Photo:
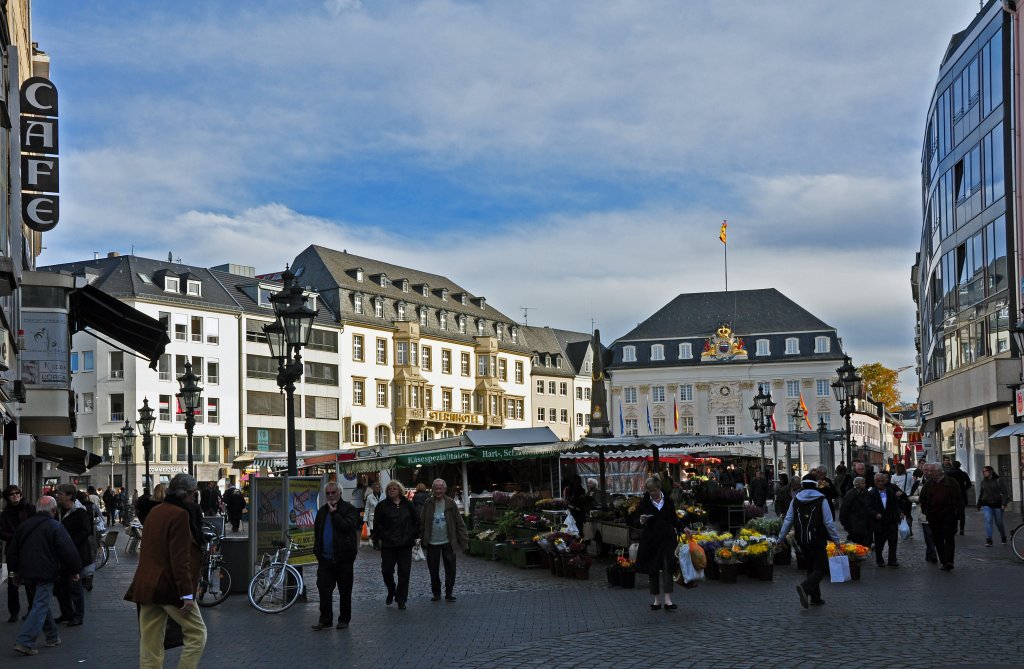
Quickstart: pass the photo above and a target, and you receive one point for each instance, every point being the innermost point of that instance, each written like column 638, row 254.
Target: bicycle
column 1017, row 541
column 277, row 585
column 102, row 552
column 214, row 578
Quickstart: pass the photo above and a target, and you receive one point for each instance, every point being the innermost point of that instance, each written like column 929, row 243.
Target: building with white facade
column 561, row 364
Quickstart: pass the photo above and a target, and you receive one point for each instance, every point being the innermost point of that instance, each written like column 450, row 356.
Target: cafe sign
column 40, row 166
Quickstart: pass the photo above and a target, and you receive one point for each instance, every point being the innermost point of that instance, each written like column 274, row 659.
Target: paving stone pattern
column 506, row 618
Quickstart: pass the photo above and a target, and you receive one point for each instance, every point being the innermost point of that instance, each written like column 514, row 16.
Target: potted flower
column 759, row 560
column 580, row 565
column 622, row 572
column 857, row 553
column 728, row 564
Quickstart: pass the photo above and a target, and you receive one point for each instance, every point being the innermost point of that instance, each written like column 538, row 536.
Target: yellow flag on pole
column 721, row 234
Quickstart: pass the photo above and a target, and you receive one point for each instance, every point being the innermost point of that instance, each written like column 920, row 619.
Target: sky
column 573, row 158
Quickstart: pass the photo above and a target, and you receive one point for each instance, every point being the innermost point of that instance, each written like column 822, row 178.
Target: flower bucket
column 728, row 572
column 614, row 577
column 545, row 559
column 783, row 558
column 854, row 570
column 628, row 579
column 711, row 571
column 581, row 573
column 765, row 571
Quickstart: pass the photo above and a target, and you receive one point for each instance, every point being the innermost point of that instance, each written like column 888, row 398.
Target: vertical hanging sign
column 40, row 166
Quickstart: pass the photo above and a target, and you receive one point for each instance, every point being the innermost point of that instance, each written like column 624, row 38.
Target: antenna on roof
column 170, row 257
column 526, row 314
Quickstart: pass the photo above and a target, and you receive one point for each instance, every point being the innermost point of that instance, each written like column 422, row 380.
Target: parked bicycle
column 1017, row 541
column 214, row 578
column 277, row 584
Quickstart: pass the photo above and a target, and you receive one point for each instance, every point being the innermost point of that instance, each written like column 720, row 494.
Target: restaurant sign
column 40, row 166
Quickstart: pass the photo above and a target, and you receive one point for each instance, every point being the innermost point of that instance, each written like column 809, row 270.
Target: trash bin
column 237, row 560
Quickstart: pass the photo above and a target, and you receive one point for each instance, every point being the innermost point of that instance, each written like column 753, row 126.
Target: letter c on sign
column 39, row 96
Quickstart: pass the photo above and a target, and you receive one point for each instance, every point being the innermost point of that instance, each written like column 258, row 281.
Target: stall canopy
column 92, row 309
column 1008, row 431
column 68, row 459
column 279, row 459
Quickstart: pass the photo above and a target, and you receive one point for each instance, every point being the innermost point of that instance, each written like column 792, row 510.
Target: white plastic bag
column 904, row 529
column 417, row 553
column 839, row 569
column 690, row 574
column 634, row 548
column 570, row 525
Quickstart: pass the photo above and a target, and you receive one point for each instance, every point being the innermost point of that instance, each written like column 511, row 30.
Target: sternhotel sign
column 451, row 417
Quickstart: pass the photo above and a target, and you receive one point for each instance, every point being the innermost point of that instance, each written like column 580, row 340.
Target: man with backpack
column 810, row 518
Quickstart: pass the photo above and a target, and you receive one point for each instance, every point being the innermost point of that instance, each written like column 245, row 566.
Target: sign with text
column 44, row 358
column 40, row 166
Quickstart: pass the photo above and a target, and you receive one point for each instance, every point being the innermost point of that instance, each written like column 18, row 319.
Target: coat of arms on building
column 723, row 346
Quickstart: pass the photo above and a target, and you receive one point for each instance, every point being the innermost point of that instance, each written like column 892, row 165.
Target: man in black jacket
column 961, row 477
column 41, row 552
column 335, row 544
column 854, row 513
column 887, row 505
column 78, row 522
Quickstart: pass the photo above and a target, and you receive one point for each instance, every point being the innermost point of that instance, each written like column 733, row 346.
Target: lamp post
column 799, row 416
column 190, row 396
column 145, row 423
column 286, row 337
column 761, row 411
column 846, row 390
column 127, row 443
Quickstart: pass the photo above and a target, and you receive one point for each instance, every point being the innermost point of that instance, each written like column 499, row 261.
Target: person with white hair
column 941, row 501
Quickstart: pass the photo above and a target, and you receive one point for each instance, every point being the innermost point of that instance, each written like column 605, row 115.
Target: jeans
column 930, row 554
column 39, row 617
column 436, row 554
column 71, row 597
column 993, row 513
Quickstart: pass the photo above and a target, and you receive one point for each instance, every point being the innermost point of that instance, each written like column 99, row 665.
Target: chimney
column 113, row 254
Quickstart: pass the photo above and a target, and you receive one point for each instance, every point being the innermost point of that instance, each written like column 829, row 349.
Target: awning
column 68, row 459
column 93, row 309
column 525, row 436
column 707, row 442
column 274, row 459
column 1008, row 431
column 440, row 457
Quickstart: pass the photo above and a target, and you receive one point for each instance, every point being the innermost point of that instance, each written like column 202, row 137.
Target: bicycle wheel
column 273, row 590
column 102, row 554
column 214, row 586
column 1017, row 541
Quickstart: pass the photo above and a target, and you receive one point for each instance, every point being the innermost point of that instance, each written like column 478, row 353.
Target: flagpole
column 725, row 253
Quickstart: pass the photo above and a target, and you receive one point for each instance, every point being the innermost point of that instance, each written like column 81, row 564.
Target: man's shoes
column 1004, row 541
column 62, row 619
column 52, row 643
column 803, row 596
column 14, row 618
column 341, row 625
column 947, row 567
column 390, row 600
column 449, row 598
column 988, row 543
column 879, row 563
column 931, row 559
column 321, row 626
column 401, row 607
column 25, row 650
column 435, row 598
column 818, row 602
column 74, row 622
column 894, row 564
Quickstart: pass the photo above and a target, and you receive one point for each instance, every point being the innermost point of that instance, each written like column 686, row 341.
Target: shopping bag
column 634, row 548
column 417, row 553
column 690, row 574
column 569, row 526
column 697, row 556
column 904, row 529
column 366, row 532
column 839, row 568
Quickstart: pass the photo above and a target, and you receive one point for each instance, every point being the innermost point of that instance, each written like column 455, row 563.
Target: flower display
column 727, row 556
column 581, row 561
column 856, row 552
column 624, row 564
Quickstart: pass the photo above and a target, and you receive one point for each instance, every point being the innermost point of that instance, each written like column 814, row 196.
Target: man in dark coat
column 16, row 511
column 335, row 544
column 759, row 489
column 144, row 506
column 40, row 554
column 78, row 522
column 109, row 503
column 165, row 580
column 854, row 513
column 940, row 502
column 235, row 503
column 211, row 499
column 961, row 477
column 887, row 505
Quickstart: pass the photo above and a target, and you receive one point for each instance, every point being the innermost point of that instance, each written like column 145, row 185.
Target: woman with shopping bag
column 396, row 527
column 656, row 515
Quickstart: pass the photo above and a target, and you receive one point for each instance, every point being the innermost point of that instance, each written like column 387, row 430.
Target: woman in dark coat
column 783, row 496
column 396, row 527
column 16, row 511
column 655, row 556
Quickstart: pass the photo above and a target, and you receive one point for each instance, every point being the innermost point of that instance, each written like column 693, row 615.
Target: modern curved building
column 966, row 278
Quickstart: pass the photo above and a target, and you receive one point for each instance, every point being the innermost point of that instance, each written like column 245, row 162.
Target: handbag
column 904, row 529
column 839, row 569
column 417, row 553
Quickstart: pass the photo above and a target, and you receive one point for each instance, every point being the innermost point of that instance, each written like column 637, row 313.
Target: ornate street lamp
column 286, row 338
column 847, row 389
column 190, row 397
column 145, row 423
column 127, row 444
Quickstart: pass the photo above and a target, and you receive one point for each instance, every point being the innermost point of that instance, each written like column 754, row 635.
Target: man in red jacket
column 165, row 580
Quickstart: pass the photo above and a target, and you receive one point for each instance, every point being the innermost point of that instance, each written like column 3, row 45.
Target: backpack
column 809, row 522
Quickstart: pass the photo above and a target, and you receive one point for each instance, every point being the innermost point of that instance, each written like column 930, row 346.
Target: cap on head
column 809, row 481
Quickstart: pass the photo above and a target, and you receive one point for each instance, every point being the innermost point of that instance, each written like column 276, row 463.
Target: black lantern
column 190, row 396
column 145, row 423
column 127, row 445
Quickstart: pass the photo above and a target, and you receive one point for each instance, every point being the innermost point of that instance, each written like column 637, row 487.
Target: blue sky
column 574, row 157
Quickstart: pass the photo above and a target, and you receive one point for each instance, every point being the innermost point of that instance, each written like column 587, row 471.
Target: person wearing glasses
column 335, row 544
column 16, row 511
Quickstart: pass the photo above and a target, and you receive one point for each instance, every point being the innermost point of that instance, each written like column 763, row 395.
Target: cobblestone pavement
column 915, row 617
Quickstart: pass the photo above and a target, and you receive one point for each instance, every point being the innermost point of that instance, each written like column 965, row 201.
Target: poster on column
column 303, row 502
column 268, row 507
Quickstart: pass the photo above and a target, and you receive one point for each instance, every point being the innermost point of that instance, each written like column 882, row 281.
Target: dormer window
column 547, row 360
column 464, row 299
column 629, row 354
column 515, row 335
column 444, row 320
column 423, row 317
column 821, row 345
column 483, row 303
column 172, row 284
column 358, row 303
column 405, row 285
column 462, row 324
column 558, row 361
column 400, row 310
column 444, row 294
column 194, row 287
column 657, row 352
column 426, row 290
column 378, row 308
column 792, row 346
column 499, row 331
column 359, row 275
column 263, row 296
column 685, row 351
column 383, row 280
column 480, row 327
